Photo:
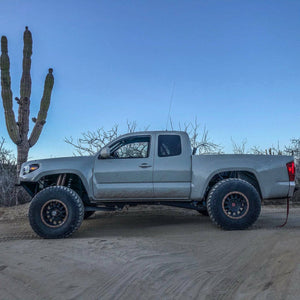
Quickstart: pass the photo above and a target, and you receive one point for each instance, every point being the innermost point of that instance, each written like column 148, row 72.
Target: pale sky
column 233, row 64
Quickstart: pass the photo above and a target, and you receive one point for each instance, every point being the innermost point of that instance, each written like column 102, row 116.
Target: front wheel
column 233, row 204
column 56, row 212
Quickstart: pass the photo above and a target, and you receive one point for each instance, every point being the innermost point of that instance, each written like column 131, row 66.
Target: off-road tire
column 88, row 214
column 219, row 208
column 68, row 201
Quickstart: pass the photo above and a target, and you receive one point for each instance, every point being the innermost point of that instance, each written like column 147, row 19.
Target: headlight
column 30, row 168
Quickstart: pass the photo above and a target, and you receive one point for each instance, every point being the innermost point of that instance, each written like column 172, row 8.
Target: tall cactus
column 18, row 131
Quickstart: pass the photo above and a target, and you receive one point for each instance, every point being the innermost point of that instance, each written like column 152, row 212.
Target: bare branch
column 294, row 148
column 203, row 144
column 239, row 148
column 7, row 175
column 92, row 141
column 131, row 126
column 257, row 150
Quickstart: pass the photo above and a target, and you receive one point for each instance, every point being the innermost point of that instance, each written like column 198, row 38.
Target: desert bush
column 8, row 169
column 292, row 149
column 10, row 194
column 241, row 149
column 91, row 142
column 200, row 141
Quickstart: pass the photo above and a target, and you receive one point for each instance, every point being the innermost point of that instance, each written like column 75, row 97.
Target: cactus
column 18, row 131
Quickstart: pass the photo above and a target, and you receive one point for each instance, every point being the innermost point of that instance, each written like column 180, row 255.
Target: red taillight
column 291, row 170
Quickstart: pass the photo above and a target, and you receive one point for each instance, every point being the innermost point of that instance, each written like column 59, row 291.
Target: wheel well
column 69, row 180
column 245, row 175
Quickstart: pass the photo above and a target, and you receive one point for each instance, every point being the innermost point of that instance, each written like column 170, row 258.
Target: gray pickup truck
column 155, row 167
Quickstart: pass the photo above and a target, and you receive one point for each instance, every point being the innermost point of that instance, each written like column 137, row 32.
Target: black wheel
column 88, row 214
column 56, row 212
column 233, row 204
column 203, row 212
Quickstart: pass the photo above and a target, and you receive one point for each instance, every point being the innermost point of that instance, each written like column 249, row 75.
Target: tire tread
column 76, row 201
column 210, row 203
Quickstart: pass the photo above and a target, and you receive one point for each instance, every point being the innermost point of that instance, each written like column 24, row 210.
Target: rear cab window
column 169, row 145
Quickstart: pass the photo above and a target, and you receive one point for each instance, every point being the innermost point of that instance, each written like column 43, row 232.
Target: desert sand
column 152, row 253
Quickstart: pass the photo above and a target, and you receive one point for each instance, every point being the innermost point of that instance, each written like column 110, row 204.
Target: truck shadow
column 160, row 222
column 152, row 222
column 274, row 217
column 141, row 224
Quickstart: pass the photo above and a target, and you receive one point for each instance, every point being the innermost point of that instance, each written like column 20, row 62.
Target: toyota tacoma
column 153, row 167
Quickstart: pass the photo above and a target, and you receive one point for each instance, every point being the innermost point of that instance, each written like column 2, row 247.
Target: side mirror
column 104, row 153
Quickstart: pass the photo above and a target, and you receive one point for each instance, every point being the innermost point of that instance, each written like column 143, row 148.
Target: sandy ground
column 151, row 253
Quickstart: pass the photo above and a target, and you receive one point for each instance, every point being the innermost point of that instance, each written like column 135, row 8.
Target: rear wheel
column 56, row 212
column 233, row 204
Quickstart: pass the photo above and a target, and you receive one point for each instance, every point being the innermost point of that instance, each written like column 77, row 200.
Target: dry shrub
column 8, row 169
column 91, row 142
column 10, row 194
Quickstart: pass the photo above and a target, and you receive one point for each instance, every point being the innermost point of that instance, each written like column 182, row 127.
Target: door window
column 131, row 147
column 169, row 145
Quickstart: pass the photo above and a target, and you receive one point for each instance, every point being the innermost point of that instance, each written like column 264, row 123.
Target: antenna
column 171, row 100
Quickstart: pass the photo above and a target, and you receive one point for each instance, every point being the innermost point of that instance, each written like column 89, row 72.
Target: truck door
column 172, row 168
column 127, row 173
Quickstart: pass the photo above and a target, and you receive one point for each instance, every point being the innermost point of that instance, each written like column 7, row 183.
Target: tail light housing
column 291, row 170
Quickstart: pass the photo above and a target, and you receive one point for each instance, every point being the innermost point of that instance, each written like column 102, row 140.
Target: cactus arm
column 44, row 106
column 25, row 86
column 6, row 93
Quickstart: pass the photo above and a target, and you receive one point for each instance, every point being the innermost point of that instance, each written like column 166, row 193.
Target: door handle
column 145, row 165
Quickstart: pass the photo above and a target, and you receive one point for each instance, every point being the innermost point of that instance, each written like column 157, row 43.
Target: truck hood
column 60, row 160
column 79, row 165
